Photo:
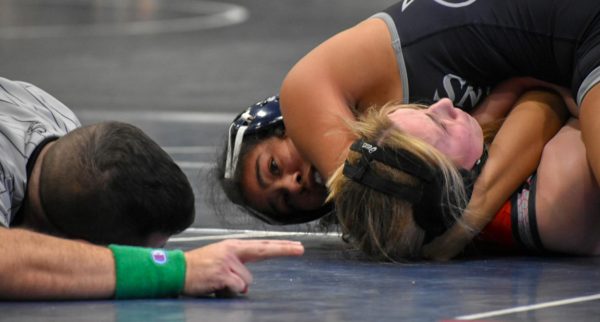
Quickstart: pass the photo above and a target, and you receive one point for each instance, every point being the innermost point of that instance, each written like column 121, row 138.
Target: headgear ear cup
column 258, row 118
column 432, row 205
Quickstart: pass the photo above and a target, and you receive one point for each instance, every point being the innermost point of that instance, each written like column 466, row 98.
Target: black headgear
column 431, row 210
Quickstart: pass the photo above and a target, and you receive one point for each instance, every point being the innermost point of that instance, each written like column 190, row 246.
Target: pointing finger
column 256, row 250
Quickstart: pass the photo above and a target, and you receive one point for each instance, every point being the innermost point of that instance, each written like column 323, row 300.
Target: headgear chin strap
column 431, row 209
column 470, row 176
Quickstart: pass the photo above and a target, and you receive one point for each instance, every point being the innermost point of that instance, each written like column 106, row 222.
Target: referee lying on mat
column 110, row 185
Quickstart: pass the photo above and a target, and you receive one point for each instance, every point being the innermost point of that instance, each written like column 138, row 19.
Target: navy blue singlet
column 461, row 48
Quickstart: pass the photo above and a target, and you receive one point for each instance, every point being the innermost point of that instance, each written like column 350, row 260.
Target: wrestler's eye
column 273, row 167
column 438, row 122
column 443, row 126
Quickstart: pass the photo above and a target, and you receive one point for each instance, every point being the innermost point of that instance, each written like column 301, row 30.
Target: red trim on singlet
column 499, row 230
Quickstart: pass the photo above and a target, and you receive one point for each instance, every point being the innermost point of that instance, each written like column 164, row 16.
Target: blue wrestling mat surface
column 332, row 283
column 180, row 70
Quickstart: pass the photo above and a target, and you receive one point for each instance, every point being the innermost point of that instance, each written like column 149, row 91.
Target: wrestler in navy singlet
column 461, row 48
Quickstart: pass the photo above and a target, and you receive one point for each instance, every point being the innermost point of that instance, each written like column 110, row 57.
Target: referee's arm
column 37, row 266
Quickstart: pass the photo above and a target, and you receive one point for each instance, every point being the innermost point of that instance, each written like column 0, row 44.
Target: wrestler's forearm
column 503, row 98
column 513, row 156
column 37, row 266
column 515, row 153
column 501, row 101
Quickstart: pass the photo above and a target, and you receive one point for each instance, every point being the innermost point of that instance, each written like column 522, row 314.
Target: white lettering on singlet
column 445, row 3
column 467, row 96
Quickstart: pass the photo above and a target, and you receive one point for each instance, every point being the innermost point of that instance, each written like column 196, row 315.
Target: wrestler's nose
column 293, row 182
column 443, row 108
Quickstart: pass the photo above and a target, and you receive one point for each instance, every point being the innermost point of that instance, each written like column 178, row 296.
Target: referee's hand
column 219, row 268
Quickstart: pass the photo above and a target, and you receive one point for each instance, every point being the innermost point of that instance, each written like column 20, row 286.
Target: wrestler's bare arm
column 503, row 98
column 513, row 156
column 346, row 74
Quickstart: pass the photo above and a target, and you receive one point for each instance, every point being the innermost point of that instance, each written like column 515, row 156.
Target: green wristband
column 148, row 273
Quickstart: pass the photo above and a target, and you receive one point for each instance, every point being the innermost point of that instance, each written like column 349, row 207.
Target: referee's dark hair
column 111, row 183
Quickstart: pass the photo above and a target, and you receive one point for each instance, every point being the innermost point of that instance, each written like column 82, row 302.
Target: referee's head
column 111, row 183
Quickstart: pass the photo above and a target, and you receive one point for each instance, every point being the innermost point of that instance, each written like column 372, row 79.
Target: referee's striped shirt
column 28, row 115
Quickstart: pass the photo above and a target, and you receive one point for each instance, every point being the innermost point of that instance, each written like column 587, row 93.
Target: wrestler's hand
column 449, row 244
column 219, row 267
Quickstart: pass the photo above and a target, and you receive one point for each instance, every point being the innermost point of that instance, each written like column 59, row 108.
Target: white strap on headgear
column 232, row 158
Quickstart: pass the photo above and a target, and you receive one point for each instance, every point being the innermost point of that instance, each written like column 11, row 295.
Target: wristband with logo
column 148, row 273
